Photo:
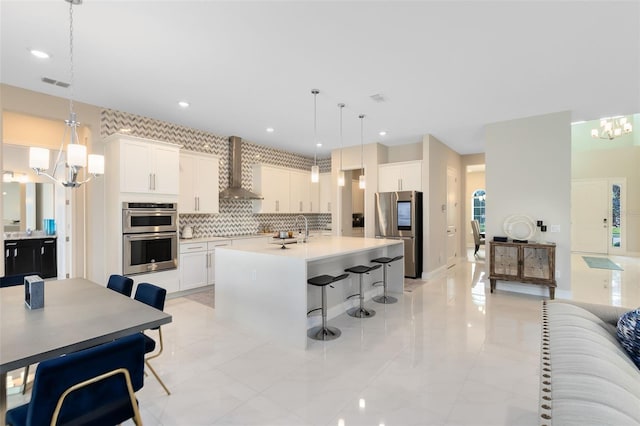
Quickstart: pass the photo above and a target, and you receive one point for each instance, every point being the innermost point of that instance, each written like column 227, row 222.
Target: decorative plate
column 519, row 227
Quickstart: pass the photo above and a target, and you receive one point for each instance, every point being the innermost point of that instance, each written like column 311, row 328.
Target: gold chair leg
column 25, row 379
column 157, row 377
column 146, row 361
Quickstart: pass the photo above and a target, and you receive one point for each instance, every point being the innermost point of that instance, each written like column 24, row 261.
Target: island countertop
column 317, row 248
column 264, row 289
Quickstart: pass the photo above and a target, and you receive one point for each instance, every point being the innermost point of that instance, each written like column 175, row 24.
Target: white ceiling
column 444, row 68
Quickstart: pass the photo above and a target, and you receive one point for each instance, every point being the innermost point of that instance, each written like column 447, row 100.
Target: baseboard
column 434, row 273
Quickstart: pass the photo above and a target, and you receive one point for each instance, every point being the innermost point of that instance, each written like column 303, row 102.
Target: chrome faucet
column 306, row 227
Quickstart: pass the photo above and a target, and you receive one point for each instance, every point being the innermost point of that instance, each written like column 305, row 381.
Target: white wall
column 528, row 171
column 437, row 157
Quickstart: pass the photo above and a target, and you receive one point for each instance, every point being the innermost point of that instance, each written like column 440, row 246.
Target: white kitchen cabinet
column 197, row 263
column 403, row 176
column 149, row 167
column 300, row 191
column 272, row 183
column 199, row 190
column 211, row 258
column 194, row 262
column 324, row 196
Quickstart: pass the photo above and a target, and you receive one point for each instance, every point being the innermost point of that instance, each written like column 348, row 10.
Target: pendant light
column 361, row 180
column 315, row 170
column 76, row 158
column 340, row 171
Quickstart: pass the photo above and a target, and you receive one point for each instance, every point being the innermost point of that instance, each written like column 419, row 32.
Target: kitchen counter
column 23, row 236
column 263, row 287
column 317, row 248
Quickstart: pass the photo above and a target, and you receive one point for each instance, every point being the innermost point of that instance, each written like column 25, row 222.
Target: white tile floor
column 449, row 353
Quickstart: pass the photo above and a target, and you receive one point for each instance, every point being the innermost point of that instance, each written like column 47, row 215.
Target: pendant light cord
column 71, row 75
column 341, row 106
column 315, row 126
column 361, row 140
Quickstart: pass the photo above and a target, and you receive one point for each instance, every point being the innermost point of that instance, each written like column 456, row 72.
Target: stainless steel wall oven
column 149, row 237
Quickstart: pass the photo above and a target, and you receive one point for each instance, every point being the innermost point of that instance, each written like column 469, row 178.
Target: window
column 615, row 216
column 478, row 204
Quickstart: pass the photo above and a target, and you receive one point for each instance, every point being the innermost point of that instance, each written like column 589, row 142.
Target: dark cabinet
column 37, row 255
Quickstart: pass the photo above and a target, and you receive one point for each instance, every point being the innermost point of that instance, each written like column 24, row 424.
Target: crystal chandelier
column 611, row 128
column 76, row 157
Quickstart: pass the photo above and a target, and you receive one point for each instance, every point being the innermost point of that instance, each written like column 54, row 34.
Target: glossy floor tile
column 448, row 353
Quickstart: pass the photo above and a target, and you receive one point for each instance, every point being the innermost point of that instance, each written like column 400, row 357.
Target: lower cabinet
column 193, row 265
column 38, row 255
column 197, row 263
column 211, row 252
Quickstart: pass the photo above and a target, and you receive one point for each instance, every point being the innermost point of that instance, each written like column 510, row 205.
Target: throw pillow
column 628, row 332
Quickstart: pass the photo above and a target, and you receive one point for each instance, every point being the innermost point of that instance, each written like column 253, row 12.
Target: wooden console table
column 533, row 263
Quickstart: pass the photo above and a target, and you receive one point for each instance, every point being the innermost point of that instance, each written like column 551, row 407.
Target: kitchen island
column 263, row 287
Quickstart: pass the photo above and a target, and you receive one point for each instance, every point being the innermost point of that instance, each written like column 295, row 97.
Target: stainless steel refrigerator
column 399, row 216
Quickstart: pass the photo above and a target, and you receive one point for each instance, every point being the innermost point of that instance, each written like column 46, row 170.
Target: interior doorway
column 352, row 217
column 452, row 216
column 357, row 204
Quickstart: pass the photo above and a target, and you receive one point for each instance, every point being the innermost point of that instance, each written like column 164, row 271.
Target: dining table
column 77, row 314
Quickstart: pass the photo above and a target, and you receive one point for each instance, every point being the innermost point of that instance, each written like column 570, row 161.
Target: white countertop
column 203, row 239
column 318, row 247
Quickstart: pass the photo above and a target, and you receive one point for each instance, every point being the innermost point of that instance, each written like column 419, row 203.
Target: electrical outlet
column 555, row 228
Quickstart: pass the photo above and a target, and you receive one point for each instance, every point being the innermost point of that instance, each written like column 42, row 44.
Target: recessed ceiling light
column 40, row 54
column 183, row 104
column 383, row 133
column 270, row 130
column 319, row 144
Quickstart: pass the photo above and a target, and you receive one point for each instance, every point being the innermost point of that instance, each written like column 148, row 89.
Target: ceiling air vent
column 378, row 97
column 55, row 82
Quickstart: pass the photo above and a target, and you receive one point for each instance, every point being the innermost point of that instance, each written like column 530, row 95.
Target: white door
column 589, row 216
column 452, row 215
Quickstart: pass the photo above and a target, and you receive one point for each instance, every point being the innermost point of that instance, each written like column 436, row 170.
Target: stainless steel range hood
column 235, row 191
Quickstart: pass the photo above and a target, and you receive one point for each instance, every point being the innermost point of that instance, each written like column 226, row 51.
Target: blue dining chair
column 121, row 284
column 93, row 386
column 153, row 296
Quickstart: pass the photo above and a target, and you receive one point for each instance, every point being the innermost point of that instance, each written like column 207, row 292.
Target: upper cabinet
column 146, row 167
column 199, row 189
column 324, row 196
column 300, row 192
column 285, row 190
column 404, row 176
column 273, row 184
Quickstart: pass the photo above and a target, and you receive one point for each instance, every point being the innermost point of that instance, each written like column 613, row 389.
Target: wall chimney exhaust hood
column 235, row 191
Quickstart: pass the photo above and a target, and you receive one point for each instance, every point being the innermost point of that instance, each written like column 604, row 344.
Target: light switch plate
column 555, row 228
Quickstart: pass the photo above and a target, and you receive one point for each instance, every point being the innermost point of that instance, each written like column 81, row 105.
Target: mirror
column 26, row 205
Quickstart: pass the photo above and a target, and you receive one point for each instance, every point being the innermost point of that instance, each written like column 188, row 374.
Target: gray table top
column 77, row 314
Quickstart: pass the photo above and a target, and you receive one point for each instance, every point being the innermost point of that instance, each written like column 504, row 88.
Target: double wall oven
column 149, row 237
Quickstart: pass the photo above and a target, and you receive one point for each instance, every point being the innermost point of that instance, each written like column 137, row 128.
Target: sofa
column 586, row 376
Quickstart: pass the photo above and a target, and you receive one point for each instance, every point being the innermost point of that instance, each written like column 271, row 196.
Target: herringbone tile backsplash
column 236, row 216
